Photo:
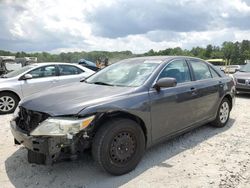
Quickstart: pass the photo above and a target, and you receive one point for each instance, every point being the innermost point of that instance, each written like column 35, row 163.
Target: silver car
column 34, row 78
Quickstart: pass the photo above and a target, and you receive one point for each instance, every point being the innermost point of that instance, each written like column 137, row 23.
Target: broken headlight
column 60, row 126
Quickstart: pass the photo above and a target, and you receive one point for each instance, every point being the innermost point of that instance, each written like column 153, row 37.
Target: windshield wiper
column 102, row 83
column 4, row 76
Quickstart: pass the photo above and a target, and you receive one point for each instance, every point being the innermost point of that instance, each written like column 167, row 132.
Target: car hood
column 5, row 82
column 71, row 99
column 243, row 75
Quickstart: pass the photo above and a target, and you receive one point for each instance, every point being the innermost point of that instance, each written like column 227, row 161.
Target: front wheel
column 118, row 146
column 222, row 114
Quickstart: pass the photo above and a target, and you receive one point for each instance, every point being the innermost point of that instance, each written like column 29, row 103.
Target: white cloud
column 115, row 25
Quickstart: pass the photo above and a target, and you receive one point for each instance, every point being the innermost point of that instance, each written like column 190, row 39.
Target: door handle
column 221, row 84
column 193, row 91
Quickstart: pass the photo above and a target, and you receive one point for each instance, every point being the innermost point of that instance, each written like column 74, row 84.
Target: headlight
column 61, row 126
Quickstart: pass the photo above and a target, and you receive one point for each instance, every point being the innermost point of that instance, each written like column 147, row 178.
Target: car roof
column 60, row 63
column 53, row 63
column 162, row 58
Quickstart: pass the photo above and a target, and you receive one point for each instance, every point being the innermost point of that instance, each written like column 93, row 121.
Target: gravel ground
column 204, row 157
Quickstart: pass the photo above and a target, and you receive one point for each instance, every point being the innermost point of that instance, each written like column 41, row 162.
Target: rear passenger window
column 214, row 73
column 69, row 70
column 177, row 69
column 201, row 70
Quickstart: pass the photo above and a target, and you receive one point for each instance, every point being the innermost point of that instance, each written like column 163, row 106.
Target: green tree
column 236, row 53
column 199, row 52
column 209, row 50
column 244, row 49
column 235, row 58
column 227, row 49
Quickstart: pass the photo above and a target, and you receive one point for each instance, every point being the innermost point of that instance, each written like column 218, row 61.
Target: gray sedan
column 242, row 78
column 123, row 110
column 36, row 78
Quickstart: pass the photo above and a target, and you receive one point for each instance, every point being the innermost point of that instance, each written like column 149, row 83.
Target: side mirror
column 26, row 77
column 165, row 82
column 82, row 79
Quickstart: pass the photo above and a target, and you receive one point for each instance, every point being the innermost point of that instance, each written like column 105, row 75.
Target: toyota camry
column 122, row 110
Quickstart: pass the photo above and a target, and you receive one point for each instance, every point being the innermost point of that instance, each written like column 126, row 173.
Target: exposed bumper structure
column 50, row 149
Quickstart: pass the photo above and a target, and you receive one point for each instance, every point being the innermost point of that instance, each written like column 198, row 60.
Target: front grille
column 28, row 120
column 241, row 81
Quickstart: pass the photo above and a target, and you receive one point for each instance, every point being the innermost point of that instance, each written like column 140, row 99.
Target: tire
column 8, row 102
column 37, row 158
column 118, row 146
column 223, row 114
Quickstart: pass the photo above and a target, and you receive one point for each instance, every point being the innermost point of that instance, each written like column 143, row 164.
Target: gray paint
column 166, row 113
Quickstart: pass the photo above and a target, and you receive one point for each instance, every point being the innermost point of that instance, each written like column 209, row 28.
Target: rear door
column 207, row 85
column 173, row 109
column 43, row 78
column 70, row 73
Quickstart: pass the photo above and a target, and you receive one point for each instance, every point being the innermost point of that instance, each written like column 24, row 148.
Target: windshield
column 127, row 73
column 17, row 72
column 245, row 68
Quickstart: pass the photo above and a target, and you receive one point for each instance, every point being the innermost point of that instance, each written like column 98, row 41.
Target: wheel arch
column 230, row 99
column 104, row 117
column 12, row 92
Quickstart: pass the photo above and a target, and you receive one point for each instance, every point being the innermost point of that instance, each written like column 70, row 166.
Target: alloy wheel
column 224, row 112
column 7, row 103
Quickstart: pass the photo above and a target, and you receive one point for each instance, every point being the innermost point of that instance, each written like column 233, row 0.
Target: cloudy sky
column 116, row 25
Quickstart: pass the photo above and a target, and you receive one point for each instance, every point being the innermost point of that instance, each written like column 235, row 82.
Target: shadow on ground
column 84, row 173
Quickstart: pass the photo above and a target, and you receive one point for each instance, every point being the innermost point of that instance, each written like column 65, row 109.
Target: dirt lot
column 205, row 157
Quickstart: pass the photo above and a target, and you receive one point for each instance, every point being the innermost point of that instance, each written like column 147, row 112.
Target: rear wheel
column 8, row 102
column 118, row 146
column 222, row 114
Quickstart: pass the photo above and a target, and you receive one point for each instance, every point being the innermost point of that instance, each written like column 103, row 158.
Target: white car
column 231, row 69
column 35, row 78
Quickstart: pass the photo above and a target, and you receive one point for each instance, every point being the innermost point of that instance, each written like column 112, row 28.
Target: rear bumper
column 49, row 147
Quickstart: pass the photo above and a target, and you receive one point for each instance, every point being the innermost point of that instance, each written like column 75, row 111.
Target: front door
column 43, row 78
column 173, row 109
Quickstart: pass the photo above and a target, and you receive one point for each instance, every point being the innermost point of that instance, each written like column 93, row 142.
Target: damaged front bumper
column 45, row 150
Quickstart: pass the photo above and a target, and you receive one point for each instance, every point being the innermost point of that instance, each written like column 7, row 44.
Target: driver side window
column 177, row 69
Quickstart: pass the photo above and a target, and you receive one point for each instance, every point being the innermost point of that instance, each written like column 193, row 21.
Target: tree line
column 233, row 52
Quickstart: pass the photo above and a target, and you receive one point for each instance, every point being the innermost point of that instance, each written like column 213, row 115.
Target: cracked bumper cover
column 48, row 146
